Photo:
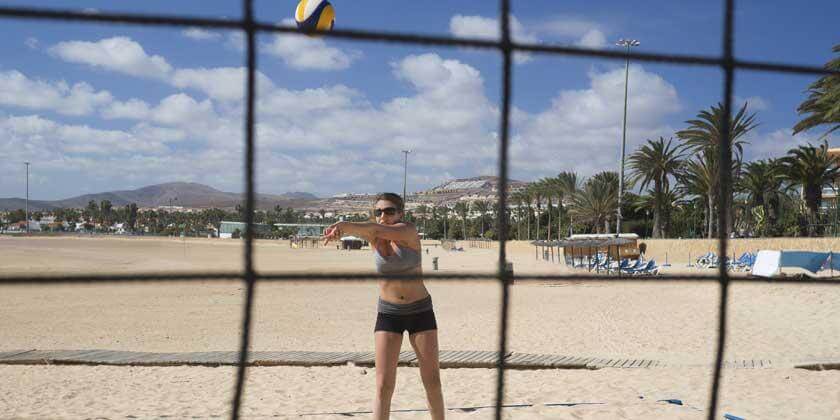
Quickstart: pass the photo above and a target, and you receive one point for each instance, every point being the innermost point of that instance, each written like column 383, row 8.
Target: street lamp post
column 27, row 197
column 623, row 43
column 405, row 172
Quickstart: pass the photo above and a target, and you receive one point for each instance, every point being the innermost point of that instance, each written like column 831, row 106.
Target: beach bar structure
column 579, row 248
column 589, row 245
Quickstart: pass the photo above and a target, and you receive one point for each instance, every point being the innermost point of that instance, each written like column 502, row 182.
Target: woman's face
column 386, row 212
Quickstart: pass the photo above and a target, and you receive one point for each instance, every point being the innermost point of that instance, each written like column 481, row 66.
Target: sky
column 99, row 107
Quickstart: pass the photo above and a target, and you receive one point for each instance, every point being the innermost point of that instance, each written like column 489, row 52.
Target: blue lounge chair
column 621, row 266
column 648, row 269
column 631, row 267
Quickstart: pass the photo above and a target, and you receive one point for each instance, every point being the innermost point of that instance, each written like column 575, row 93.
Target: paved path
column 448, row 359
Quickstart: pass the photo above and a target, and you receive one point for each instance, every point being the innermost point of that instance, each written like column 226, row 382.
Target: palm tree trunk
column 528, row 222
column 657, row 210
column 559, row 216
column 548, row 235
column 711, row 217
column 813, row 197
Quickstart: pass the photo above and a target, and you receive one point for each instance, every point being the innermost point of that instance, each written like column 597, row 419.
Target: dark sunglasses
column 390, row 211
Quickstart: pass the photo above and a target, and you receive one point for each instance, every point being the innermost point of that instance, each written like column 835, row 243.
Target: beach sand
column 675, row 323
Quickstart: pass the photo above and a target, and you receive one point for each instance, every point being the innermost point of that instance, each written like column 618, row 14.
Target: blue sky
column 108, row 107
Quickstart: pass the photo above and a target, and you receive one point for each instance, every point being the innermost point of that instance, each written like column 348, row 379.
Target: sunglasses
column 389, row 211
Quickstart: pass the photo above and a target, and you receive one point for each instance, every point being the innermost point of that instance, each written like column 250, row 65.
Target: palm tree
column 704, row 136
column 823, row 101
column 568, row 184
column 536, row 195
column 653, row 163
column 461, row 208
column 762, row 182
column 481, row 207
column 527, row 195
column 517, row 199
column 547, row 187
column 697, row 179
column 597, row 201
column 423, row 211
column 811, row 168
column 669, row 198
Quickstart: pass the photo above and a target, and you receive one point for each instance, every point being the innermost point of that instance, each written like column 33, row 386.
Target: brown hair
column 394, row 198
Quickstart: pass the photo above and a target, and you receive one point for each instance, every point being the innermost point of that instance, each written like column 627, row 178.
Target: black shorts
column 414, row 323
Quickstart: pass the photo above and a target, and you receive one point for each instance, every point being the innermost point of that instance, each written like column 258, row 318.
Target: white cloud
column 79, row 99
column 566, row 27
column 131, row 109
column 220, row 83
column 777, row 143
column 32, row 43
column 178, row 112
column 293, row 103
column 147, row 132
column 592, row 39
column 308, row 53
column 488, row 28
column 199, row 34
column 53, row 140
column 120, row 54
column 235, row 41
column 579, row 32
column 754, row 103
column 582, row 128
column 181, row 109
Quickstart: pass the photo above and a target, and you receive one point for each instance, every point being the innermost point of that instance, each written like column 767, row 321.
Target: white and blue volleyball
column 315, row 15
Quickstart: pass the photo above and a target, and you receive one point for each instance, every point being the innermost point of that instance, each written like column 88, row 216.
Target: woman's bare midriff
column 402, row 291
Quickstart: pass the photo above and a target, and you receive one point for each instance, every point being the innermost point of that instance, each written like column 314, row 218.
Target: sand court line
column 448, row 359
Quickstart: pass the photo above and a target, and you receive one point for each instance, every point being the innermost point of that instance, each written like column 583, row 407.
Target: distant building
column 305, row 229
column 830, row 193
column 227, row 229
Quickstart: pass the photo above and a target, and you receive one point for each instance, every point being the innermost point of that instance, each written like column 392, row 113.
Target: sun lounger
column 631, row 267
column 647, row 269
column 619, row 266
column 709, row 260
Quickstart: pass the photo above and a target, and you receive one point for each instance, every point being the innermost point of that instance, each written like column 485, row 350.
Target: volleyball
column 315, row 14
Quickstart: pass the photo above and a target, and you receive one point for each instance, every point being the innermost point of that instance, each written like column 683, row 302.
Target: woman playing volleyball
column 404, row 303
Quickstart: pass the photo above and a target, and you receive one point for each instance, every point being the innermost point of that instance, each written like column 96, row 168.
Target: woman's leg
column 425, row 344
column 388, row 346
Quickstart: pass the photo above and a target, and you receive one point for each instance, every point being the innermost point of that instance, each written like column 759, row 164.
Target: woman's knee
column 431, row 378
column 385, row 384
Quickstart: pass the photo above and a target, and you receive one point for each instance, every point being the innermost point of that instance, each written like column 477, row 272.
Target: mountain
column 184, row 194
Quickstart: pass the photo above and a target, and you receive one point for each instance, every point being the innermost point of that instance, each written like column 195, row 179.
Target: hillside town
column 468, row 198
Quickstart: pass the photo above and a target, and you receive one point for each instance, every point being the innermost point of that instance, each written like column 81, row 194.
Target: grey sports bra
column 405, row 260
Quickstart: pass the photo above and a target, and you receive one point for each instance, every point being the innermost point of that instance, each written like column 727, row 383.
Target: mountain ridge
column 184, row 194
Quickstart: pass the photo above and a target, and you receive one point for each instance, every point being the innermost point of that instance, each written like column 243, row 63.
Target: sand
column 672, row 322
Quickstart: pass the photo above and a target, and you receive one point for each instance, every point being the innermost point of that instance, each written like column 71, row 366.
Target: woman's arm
column 403, row 232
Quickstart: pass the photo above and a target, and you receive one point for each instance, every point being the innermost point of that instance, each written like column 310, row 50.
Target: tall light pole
column 623, row 43
column 27, row 196
column 405, row 173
